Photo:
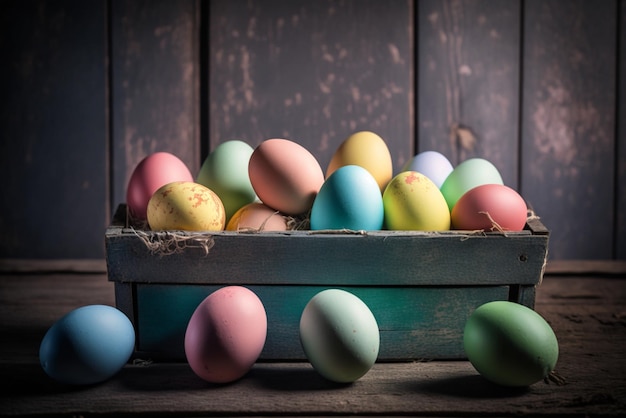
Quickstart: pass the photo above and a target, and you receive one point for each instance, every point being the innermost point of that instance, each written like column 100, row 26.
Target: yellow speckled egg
column 365, row 149
column 413, row 202
column 185, row 205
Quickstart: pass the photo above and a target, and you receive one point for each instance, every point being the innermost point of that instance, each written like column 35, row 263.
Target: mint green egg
column 225, row 172
column 467, row 175
column 339, row 335
column 510, row 344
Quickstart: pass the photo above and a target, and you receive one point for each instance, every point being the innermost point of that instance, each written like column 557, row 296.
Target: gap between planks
column 94, row 266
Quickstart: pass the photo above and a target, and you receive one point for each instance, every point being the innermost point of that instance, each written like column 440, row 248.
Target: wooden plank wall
column 536, row 86
column 53, row 129
column 569, row 122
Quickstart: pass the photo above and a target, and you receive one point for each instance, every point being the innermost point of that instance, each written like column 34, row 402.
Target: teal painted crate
column 420, row 286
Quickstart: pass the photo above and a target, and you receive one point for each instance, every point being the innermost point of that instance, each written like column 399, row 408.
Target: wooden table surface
column 587, row 311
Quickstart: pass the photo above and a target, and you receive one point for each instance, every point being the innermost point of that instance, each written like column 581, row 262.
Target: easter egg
column 432, row 164
column 349, row 199
column 490, row 207
column 185, row 205
column 88, row 345
column 225, row 172
column 413, row 202
column 339, row 335
column 257, row 217
column 467, row 175
column 285, row 175
column 226, row 334
column 510, row 344
column 365, row 149
column 152, row 172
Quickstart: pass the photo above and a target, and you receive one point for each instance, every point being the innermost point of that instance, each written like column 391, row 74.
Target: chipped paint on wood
column 314, row 72
column 568, row 123
column 290, row 76
column 468, row 56
column 155, row 79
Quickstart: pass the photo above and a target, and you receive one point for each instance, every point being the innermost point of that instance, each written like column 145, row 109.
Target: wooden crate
column 420, row 286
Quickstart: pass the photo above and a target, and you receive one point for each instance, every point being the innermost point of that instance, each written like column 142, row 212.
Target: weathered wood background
column 89, row 88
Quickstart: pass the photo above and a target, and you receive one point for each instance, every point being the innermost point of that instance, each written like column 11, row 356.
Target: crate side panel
column 375, row 259
column 414, row 322
column 124, row 299
column 527, row 296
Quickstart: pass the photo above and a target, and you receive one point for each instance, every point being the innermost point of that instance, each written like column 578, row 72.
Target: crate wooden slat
column 420, row 286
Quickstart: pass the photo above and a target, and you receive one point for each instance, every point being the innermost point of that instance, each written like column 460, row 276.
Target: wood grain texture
column 414, row 322
column 419, row 285
column 90, row 89
column 587, row 314
column 468, row 78
column 375, row 258
column 370, row 258
column 154, row 86
column 568, row 123
column 52, row 129
column 312, row 72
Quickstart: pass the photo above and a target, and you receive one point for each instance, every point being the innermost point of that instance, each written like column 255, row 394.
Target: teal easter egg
column 350, row 198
